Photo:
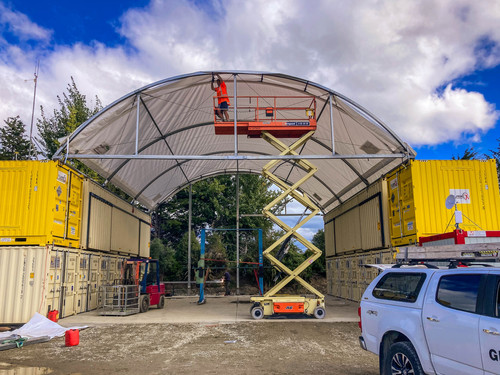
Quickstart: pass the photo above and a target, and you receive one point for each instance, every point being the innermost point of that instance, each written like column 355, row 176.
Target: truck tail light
column 359, row 323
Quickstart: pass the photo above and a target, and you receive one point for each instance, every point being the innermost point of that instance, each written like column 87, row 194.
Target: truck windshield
column 399, row 286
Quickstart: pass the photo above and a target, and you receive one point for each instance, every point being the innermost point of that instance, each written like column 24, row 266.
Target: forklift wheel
column 144, row 303
column 161, row 304
column 319, row 312
column 257, row 312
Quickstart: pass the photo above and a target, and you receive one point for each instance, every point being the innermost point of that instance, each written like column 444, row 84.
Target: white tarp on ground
column 38, row 326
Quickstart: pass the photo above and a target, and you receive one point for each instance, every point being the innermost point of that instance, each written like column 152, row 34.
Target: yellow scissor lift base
column 272, row 303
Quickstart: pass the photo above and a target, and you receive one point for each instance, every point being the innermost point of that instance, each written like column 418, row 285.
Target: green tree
column 319, row 266
column 214, row 206
column 495, row 154
column 181, row 254
column 72, row 112
column 169, row 267
column 469, row 154
column 13, row 141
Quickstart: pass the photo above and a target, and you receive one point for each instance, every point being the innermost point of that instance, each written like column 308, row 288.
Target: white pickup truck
column 433, row 321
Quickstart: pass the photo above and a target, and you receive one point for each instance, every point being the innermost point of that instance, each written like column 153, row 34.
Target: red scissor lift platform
column 280, row 116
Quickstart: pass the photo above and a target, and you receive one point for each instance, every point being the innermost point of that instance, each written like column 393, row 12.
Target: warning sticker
column 394, row 183
column 62, row 177
column 409, row 225
column 461, row 195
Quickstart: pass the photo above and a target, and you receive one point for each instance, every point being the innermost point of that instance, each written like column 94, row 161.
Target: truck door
column 451, row 323
column 489, row 327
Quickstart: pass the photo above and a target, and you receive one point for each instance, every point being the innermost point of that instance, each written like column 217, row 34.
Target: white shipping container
column 360, row 224
column 111, row 224
column 23, row 282
column 40, row 279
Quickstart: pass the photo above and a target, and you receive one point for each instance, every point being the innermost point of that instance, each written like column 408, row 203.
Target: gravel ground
column 269, row 347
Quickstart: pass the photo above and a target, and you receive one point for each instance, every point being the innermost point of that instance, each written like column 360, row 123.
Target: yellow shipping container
column 40, row 204
column 418, row 190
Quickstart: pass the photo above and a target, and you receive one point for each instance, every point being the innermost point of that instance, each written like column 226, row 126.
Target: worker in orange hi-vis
column 222, row 98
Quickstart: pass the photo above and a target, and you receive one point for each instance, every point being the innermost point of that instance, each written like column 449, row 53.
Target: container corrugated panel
column 55, row 279
column 329, row 234
column 101, row 210
column 347, row 232
column 23, row 282
column 70, row 284
column 38, row 204
column 99, row 225
column 145, row 240
column 361, row 223
column 83, row 282
column 417, row 194
column 94, row 282
column 371, row 225
column 329, row 276
column 125, row 233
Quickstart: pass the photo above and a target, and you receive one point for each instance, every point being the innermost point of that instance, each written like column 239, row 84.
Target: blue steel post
column 261, row 265
column 202, row 264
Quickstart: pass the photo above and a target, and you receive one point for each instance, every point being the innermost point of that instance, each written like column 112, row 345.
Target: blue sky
column 429, row 69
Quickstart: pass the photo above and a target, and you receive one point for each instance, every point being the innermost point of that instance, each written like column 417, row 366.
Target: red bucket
column 53, row 315
column 72, row 337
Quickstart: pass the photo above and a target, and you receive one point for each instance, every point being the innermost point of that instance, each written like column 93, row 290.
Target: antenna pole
column 37, row 68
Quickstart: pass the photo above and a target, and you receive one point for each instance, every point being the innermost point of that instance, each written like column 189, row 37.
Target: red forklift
column 145, row 273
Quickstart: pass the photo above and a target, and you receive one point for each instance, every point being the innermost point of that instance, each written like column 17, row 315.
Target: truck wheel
column 144, row 304
column 402, row 359
column 319, row 312
column 161, row 304
column 257, row 313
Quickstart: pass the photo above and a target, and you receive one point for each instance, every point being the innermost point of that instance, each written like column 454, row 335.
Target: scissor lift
column 278, row 126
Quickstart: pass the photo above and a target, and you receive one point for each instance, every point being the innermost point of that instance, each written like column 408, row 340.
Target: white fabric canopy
column 176, row 118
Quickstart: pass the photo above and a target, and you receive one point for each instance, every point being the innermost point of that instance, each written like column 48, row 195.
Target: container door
column 73, row 215
column 114, row 271
column 55, row 280
column 61, row 198
column 94, row 281
column 104, row 272
column 83, row 282
column 402, row 208
column 69, row 284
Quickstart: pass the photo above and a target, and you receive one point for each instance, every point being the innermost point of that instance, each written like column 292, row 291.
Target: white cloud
column 20, row 26
column 392, row 57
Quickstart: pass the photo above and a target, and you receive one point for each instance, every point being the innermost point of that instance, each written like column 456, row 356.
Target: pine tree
column 469, row 154
column 73, row 111
column 14, row 144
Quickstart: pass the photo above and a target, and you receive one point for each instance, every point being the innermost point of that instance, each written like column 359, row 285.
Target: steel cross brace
column 290, row 190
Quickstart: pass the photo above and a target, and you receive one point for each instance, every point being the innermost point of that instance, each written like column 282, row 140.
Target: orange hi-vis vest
column 222, row 93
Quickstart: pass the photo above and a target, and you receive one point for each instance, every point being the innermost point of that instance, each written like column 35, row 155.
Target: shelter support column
column 189, row 267
column 237, row 229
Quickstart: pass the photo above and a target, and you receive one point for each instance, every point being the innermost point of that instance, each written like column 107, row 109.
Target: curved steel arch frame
column 327, row 97
column 355, row 105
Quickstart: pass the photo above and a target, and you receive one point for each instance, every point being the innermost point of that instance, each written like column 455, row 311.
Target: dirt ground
column 243, row 348
column 216, row 338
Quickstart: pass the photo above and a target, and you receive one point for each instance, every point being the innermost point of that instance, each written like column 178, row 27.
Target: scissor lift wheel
column 257, row 311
